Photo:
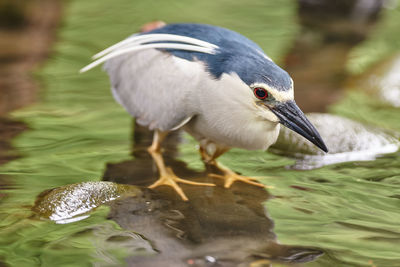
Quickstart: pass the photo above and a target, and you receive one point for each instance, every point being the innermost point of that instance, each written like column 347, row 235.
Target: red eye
column 260, row 93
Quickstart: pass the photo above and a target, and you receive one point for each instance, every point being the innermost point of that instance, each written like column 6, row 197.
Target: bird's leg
column 167, row 176
column 209, row 152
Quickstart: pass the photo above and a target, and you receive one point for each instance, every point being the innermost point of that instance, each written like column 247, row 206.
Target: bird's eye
column 261, row 93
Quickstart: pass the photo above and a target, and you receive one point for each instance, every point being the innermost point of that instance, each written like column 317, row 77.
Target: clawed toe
column 170, row 179
column 231, row 177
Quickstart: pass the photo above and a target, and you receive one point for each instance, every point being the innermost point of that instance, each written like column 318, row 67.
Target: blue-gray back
column 236, row 54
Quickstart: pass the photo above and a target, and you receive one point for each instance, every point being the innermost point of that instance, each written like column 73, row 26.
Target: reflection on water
column 8, row 130
column 217, row 227
column 347, row 210
column 318, row 58
column 224, row 228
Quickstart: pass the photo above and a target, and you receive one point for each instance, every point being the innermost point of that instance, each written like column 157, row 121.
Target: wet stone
column 347, row 140
column 73, row 202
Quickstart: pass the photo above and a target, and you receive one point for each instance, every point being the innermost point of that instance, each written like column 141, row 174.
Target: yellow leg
column 228, row 175
column 167, row 176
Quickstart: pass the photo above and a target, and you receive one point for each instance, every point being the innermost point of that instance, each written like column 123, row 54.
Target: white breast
column 228, row 115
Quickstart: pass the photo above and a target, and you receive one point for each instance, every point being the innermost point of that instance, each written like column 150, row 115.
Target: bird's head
column 273, row 95
column 279, row 106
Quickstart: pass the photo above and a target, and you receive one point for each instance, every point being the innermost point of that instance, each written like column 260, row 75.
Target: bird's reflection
column 329, row 30
column 217, row 227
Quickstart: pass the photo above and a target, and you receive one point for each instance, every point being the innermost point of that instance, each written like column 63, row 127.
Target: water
column 347, row 211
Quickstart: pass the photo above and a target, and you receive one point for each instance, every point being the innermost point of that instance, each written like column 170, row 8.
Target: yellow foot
column 230, row 177
column 170, row 179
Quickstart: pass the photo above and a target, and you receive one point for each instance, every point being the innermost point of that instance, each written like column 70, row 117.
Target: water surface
column 348, row 211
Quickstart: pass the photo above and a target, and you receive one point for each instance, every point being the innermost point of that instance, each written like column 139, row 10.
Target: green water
column 350, row 211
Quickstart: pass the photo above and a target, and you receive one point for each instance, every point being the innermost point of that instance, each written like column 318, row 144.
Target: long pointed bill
column 292, row 117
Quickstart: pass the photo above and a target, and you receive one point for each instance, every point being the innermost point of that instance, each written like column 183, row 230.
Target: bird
column 212, row 82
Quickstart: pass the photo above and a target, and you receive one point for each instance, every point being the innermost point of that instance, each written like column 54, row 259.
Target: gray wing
column 155, row 87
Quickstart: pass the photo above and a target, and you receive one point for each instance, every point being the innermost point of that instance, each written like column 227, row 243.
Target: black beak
column 291, row 116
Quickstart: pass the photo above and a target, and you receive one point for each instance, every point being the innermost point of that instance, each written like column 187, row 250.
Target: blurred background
column 58, row 127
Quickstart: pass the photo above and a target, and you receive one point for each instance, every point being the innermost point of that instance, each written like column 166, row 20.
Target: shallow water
column 348, row 211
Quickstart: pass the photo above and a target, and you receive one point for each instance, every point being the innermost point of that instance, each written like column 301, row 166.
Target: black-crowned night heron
column 214, row 83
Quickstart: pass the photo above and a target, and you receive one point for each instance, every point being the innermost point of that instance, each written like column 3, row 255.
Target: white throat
column 230, row 115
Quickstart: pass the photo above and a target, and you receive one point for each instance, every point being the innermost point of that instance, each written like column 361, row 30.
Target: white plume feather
column 115, row 46
column 147, row 38
column 119, row 52
column 141, row 42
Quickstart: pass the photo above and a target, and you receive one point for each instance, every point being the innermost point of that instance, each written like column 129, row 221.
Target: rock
column 347, row 140
column 73, row 202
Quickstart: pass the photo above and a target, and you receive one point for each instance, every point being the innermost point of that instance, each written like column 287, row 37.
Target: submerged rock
column 73, row 202
column 347, row 140
column 382, row 82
